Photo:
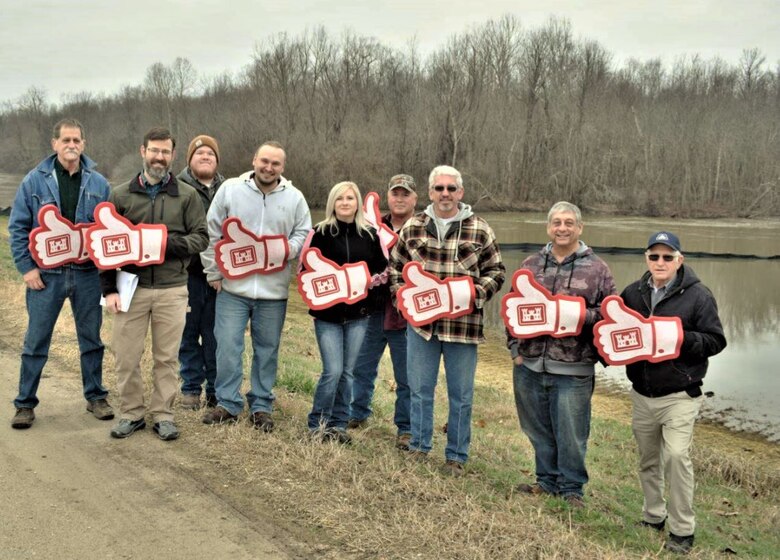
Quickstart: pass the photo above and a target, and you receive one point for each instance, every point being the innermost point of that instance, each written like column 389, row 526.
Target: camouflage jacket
column 580, row 274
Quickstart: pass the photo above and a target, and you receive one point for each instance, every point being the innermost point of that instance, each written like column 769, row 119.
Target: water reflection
column 745, row 377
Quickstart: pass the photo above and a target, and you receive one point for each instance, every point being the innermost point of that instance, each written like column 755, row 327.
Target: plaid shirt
column 469, row 249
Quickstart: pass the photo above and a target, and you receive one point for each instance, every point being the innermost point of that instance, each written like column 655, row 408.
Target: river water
column 745, row 377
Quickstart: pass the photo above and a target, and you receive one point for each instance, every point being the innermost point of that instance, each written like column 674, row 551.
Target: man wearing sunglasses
column 667, row 395
column 446, row 248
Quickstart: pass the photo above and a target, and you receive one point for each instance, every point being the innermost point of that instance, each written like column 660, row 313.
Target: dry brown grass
column 370, row 501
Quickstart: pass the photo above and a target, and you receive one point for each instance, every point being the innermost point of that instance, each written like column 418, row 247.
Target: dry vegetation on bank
column 369, row 501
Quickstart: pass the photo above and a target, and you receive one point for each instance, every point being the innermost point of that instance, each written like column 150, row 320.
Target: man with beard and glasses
column 66, row 179
column 269, row 212
column 154, row 197
column 198, row 350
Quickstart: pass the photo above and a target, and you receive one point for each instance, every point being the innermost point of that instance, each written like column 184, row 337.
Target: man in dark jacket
column 554, row 373
column 386, row 328
column 198, row 350
column 151, row 198
column 667, row 394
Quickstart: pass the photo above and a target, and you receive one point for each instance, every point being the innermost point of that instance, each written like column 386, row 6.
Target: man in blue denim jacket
column 66, row 179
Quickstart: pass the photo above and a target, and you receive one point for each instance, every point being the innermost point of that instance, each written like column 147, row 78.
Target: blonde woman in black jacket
column 343, row 237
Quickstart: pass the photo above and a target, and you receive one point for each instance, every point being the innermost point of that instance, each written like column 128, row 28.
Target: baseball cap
column 403, row 181
column 664, row 238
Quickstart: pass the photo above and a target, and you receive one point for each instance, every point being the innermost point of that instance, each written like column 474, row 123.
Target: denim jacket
column 39, row 188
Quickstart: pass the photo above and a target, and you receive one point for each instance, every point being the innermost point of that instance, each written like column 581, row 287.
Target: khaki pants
column 663, row 428
column 166, row 309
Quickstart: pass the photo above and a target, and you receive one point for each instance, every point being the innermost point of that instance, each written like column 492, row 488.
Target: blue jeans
column 367, row 368
column 554, row 412
column 339, row 348
column 460, row 363
column 198, row 350
column 82, row 288
column 266, row 319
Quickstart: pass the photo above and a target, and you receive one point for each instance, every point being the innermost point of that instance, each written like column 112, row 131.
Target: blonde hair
column 330, row 210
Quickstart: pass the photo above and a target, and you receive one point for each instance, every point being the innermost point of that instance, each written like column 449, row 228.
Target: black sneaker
column 336, row 435
column 679, row 545
column 126, row 427
column 657, row 526
column 23, row 418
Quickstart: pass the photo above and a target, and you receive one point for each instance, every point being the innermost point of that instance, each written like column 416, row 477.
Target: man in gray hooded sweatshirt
column 554, row 375
column 447, row 248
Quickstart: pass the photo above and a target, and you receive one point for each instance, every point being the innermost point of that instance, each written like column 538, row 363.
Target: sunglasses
column 667, row 258
column 450, row 188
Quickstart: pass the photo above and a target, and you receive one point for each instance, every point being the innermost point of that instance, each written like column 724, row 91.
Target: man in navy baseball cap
column 667, row 393
column 665, row 238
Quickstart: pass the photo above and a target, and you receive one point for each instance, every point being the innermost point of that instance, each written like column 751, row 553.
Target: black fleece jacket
column 343, row 246
column 694, row 304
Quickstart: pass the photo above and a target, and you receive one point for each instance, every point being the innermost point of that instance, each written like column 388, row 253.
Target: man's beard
column 203, row 177
column 155, row 173
column 261, row 183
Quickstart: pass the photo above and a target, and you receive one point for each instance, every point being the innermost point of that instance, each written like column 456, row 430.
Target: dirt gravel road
column 67, row 490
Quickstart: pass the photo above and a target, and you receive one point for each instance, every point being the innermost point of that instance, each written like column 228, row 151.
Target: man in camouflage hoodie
column 554, row 377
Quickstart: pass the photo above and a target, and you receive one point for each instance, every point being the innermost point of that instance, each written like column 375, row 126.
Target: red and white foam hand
column 114, row 241
column 387, row 237
column 240, row 252
column 530, row 310
column 624, row 336
column 323, row 283
column 57, row 241
column 424, row 298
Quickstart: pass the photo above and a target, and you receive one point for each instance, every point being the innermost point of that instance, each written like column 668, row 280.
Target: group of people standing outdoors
column 212, row 255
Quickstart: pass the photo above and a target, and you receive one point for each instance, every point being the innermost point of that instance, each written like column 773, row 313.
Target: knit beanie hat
column 199, row 141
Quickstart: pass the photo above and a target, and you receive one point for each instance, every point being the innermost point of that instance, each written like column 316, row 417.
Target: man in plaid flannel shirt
column 454, row 249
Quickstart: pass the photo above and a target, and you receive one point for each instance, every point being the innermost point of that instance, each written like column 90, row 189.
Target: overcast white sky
column 99, row 45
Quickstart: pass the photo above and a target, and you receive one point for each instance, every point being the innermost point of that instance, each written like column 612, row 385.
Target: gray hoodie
column 282, row 211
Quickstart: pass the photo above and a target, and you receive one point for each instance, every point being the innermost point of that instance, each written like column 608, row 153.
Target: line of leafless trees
column 529, row 116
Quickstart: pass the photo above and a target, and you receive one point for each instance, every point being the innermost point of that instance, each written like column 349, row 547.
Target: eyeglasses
column 158, row 151
column 450, row 188
column 667, row 258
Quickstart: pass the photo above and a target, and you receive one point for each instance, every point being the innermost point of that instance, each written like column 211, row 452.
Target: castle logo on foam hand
column 325, row 286
column 533, row 314
column 244, row 256
column 116, row 245
column 426, row 301
column 58, row 245
column 628, row 339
